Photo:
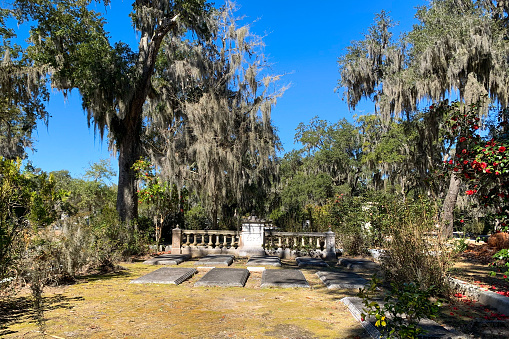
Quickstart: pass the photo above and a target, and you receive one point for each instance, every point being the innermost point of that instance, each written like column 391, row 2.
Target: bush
column 414, row 248
column 403, row 307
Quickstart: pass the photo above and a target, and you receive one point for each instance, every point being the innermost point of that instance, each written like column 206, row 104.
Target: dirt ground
column 470, row 317
column 107, row 306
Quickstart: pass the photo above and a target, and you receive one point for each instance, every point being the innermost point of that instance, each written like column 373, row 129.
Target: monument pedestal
column 252, row 238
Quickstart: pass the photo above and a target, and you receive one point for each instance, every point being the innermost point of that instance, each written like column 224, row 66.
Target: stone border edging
column 372, row 331
column 488, row 298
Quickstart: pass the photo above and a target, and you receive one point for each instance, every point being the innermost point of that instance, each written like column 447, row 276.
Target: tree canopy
column 190, row 61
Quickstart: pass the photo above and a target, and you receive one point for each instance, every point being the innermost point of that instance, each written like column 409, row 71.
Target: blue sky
column 303, row 41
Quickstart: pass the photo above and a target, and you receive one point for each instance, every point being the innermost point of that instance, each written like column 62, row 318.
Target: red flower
column 462, row 139
column 484, row 165
column 505, row 276
column 465, row 162
column 450, row 162
column 502, row 149
column 469, row 192
column 476, row 127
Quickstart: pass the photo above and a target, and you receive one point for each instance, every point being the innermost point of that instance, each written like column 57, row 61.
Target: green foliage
column 402, row 308
column 196, row 218
column 28, row 201
column 160, row 198
column 501, row 264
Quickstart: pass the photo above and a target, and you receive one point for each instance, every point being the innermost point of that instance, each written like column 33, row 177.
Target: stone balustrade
column 201, row 242
column 290, row 244
column 254, row 239
column 295, row 240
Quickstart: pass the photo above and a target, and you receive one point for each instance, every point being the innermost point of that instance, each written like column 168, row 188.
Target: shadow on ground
column 20, row 309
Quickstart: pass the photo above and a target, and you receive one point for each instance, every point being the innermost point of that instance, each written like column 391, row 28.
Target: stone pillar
column 252, row 237
column 330, row 245
column 176, row 240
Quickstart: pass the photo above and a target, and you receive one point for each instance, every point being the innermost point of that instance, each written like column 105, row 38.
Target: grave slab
column 224, row 277
column 264, row 261
column 167, row 259
column 285, row 278
column 341, row 280
column 432, row 328
column 215, row 260
column 166, row 275
column 358, row 265
column 307, row 261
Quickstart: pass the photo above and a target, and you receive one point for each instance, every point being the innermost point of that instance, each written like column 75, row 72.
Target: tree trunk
column 449, row 204
column 127, row 198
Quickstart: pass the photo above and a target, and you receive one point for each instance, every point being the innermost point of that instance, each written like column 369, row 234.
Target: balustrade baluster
column 279, row 245
column 217, row 240
column 318, row 243
column 195, row 240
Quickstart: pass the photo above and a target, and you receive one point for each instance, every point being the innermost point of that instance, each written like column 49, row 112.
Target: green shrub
column 403, row 307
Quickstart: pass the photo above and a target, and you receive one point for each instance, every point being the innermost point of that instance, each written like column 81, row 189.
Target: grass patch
column 106, row 306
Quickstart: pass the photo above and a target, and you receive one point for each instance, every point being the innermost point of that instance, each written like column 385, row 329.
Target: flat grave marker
column 166, row 275
column 342, row 280
column 264, row 261
column 357, row 265
column 167, row 259
column 285, row 278
column 224, row 277
column 215, row 260
column 307, row 261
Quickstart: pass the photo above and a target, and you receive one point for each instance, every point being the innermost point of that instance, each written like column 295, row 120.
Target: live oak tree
column 114, row 81
column 458, row 46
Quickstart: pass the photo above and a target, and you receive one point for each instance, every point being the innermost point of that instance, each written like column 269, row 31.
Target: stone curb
column 488, row 298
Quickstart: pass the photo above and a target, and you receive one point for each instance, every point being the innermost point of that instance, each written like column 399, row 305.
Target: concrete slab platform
column 307, row 261
column 358, row 265
column 224, row 277
column 285, row 278
column 433, row 329
column 167, row 259
column 264, row 261
column 341, row 280
column 166, row 275
column 216, row 260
